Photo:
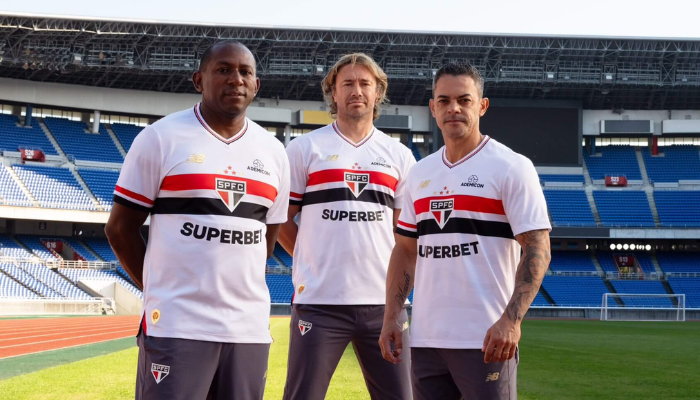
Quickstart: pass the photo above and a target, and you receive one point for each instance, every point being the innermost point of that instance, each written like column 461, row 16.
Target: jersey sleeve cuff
column 403, row 232
column 131, row 204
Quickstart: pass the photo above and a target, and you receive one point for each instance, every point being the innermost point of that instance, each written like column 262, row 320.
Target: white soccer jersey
column 465, row 216
column 348, row 192
column 210, row 199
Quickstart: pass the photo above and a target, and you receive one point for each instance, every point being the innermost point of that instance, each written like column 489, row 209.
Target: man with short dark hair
column 468, row 211
column 216, row 185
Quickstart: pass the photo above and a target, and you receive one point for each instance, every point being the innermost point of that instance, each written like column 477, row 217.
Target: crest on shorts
column 159, row 371
column 357, row 182
column 304, row 327
column 230, row 192
column 442, row 210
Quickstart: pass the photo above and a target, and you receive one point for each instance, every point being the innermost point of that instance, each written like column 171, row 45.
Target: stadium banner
column 32, row 155
column 625, row 260
column 615, row 180
column 54, row 245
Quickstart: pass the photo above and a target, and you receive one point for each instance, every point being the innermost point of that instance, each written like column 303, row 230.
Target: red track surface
column 26, row 336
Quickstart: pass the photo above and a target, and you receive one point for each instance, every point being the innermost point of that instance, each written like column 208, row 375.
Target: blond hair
column 328, row 83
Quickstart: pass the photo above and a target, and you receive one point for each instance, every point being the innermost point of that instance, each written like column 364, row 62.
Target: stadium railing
column 682, row 274
column 82, row 264
column 574, row 273
column 651, row 276
column 24, row 306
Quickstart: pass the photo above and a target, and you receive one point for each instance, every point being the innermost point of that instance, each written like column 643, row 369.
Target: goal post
column 642, row 307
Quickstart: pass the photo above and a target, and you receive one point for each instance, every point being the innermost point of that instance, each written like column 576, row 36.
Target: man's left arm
column 502, row 338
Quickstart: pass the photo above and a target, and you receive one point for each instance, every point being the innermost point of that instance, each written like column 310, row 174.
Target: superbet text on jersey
column 465, row 217
column 347, row 192
column 210, row 201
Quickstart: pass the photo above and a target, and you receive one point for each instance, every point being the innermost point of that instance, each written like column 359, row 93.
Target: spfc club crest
column 441, row 210
column 304, row 327
column 230, row 191
column 159, row 372
column 357, row 182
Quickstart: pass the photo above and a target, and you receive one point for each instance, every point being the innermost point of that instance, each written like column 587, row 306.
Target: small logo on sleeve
column 304, row 327
column 159, row 372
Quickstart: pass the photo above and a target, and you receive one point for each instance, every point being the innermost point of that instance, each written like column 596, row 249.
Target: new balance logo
column 492, row 377
column 304, row 327
column 333, row 157
column 159, row 372
column 424, row 184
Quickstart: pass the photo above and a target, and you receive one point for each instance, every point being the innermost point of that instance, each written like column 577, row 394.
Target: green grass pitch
column 559, row 360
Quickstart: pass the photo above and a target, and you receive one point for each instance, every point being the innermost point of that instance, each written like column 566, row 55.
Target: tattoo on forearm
column 533, row 266
column 403, row 289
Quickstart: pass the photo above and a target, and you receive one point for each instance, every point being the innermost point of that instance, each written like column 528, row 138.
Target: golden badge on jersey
column 196, row 158
column 301, row 289
column 155, row 316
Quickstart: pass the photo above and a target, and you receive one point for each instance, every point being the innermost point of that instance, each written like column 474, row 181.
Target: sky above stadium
column 606, row 18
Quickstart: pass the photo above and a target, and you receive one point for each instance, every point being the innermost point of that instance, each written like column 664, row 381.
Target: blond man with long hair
column 348, row 179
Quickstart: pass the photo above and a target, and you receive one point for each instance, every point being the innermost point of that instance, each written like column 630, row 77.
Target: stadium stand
column 102, row 248
column 74, row 139
column 680, row 262
column 28, row 280
column 613, row 160
column 101, row 183
column 607, row 261
column 54, row 187
column 540, row 300
column 126, row 134
column 13, row 136
column 35, row 245
column 569, row 208
column 77, row 274
column 55, row 281
column 628, row 208
column 281, row 288
column 677, row 163
column 80, row 249
column 561, row 178
column 569, row 291
column 571, row 261
column 642, row 287
column 283, row 255
column 10, row 248
column 10, row 193
column 10, row 288
column 690, row 287
column 678, row 209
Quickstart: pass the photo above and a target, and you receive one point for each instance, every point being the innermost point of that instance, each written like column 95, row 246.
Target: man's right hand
column 392, row 331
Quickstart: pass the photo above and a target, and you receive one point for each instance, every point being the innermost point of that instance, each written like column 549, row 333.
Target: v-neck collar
column 465, row 158
column 360, row 143
column 198, row 114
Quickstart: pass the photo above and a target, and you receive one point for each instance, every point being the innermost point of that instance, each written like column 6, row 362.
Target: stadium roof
column 602, row 73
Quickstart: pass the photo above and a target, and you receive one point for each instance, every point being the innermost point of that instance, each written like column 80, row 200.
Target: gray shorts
column 448, row 374
column 184, row 369
column 319, row 336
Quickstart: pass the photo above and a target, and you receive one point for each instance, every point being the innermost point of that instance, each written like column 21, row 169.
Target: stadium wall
column 592, row 118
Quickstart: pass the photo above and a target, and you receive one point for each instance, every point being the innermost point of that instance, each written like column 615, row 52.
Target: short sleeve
column 523, row 199
column 297, row 172
column 277, row 214
column 407, row 225
column 407, row 163
column 141, row 177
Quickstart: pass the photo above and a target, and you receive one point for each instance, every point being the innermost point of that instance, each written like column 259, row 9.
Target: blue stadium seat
column 13, row 136
column 10, row 193
column 573, row 261
column 569, row 208
column 74, row 139
column 614, row 160
column 38, row 248
column 607, row 260
column 283, row 255
column 28, row 280
column 10, row 288
column 677, row 163
column 10, row 248
column 578, row 291
column 54, row 187
column 101, row 183
column 627, row 208
column 55, row 281
column 678, row 209
column 126, row 134
column 102, row 248
column 561, row 178
column 281, row 288
column 77, row 274
column 540, row 300
column 690, row 287
column 80, row 249
column 642, row 287
column 676, row 261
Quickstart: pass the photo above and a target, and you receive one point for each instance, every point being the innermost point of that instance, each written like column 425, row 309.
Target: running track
column 27, row 336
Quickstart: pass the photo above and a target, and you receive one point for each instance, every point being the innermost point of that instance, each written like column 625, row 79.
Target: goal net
column 642, row 307
column 20, row 306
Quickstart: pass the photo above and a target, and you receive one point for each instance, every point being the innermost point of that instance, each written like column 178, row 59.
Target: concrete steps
column 53, row 140
column 116, row 141
column 85, row 187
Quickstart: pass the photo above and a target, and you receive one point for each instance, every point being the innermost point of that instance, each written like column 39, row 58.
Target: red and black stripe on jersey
column 428, row 224
column 331, row 195
column 202, row 205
